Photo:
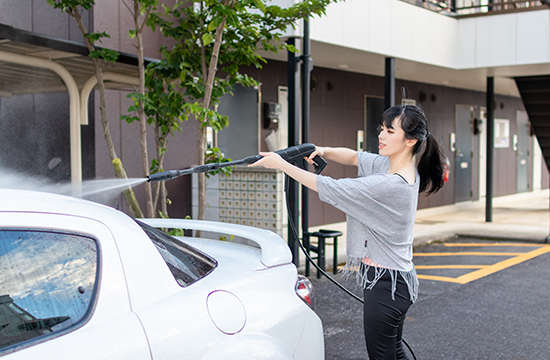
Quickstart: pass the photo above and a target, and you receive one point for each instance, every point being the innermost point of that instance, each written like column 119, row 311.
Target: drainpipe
column 74, row 101
column 293, row 83
column 389, row 83
column 307, row 66
column 92, row 82
column 490, row 148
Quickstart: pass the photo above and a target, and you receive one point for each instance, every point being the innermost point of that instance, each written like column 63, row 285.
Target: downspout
column 92, row 82
column 74, row 105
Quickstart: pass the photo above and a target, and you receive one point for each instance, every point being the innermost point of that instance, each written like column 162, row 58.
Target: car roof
column 132, row 243
column 37, row 201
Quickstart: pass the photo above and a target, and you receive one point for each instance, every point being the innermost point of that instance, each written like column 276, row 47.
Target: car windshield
column 186, row 263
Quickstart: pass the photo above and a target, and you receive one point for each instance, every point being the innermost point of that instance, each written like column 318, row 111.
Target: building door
column 374, row 108
column 463, row 152
column 521, row 147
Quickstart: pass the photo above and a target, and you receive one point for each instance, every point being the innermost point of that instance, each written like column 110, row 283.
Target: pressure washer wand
column 293, row 154
column 171, row 174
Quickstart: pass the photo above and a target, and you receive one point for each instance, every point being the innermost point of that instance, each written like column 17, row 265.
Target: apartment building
column 438, row 55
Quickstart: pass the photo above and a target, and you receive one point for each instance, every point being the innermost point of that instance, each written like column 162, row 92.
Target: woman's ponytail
column 414, row 124
column 430, row 167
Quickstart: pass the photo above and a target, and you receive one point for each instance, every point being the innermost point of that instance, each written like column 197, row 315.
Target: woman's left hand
column 270, row 160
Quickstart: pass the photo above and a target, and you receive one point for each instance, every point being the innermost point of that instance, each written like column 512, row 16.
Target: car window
column 47, row 283
column 186, row 263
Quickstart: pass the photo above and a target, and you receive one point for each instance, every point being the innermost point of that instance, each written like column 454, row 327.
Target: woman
column 380, row 206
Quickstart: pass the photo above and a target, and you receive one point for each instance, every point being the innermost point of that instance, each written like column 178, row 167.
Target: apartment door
column 521, row 147
column 374, row 108
column 463, row 152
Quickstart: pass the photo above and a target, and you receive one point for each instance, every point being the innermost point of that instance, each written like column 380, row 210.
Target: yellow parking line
column 439, row 278
column 489, row 269
column 491, row 244
column 451, row 266
column 502, row 265
column 466, row 253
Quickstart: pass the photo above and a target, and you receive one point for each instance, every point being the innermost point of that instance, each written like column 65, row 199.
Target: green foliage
column 93, row 37
column 247, row 26
column 70, row 5
column 173, row 232
column 163, row 107
column 224, row 238
column 214, row 155
column 105, row 54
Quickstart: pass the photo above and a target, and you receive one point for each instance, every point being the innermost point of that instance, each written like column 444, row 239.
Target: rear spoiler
column 275, row 250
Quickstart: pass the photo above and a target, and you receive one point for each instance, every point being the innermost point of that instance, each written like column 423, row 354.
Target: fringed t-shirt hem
column 360, row 269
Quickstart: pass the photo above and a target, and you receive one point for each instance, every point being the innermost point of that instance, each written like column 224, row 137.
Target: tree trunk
column 201, row 140
column 129, row 193
column 141, row 111
column 135, row 210
column 206, row 103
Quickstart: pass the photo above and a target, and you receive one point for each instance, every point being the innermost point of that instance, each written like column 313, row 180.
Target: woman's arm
column 274, row 161
column 343, row 156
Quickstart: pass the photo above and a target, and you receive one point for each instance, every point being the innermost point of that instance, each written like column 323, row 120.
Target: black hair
column 413, row 122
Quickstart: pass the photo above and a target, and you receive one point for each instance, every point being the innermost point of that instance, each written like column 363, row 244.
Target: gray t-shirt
column 380, row 210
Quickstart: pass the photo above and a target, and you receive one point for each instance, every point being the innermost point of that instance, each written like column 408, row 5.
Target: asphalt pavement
column 488, row 302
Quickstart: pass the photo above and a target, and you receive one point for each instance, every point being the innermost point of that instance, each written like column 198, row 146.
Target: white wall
column 399, row 29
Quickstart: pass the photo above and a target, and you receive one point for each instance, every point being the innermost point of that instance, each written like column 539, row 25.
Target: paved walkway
column 516, row 217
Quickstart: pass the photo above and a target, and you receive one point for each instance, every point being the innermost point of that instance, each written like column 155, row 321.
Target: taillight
column 304, row 290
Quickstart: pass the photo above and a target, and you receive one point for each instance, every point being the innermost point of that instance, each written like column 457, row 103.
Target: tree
column 73, row 8
column 140, row 12
column 214, row 39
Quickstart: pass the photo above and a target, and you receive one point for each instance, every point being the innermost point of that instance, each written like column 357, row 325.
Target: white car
column 79, row 280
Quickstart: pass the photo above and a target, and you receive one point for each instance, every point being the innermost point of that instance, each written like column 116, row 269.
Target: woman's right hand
column 340, row 155
column 318, row 151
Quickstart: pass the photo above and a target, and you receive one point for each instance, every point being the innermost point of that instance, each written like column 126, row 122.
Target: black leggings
column 384, row 317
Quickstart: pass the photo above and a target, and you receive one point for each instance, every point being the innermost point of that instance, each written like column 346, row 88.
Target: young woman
column 380, row 207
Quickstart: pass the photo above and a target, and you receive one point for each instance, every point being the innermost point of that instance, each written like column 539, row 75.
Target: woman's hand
column 273, row 160
column 318, row 151
column 270, row 160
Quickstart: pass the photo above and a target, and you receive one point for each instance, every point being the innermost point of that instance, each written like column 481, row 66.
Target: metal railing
column 479, row 7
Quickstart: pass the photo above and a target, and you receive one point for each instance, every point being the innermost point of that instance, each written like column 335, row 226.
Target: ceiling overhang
column 73, row 56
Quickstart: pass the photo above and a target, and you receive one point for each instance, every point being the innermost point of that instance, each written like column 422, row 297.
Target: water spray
column 294, row 155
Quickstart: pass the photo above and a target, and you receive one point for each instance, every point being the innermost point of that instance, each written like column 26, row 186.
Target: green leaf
column 132, row 33
column 93, row 37
column 215, row 23
column 207, row 39
column 105, row 54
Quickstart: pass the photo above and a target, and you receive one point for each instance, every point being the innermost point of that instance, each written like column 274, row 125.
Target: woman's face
column 392, row 141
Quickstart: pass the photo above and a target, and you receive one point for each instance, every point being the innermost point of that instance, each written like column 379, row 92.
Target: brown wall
column 115, row 19
column 40, row 17
column 337, row 114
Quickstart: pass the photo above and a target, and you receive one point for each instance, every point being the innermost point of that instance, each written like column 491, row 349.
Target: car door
column 63, row 293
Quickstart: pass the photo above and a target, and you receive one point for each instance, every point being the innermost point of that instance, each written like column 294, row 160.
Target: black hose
column 343, row 288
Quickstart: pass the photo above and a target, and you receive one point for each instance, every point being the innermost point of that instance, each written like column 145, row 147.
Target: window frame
column 199, row 253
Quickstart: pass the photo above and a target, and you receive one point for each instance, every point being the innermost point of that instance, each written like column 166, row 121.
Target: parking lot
column 483, row 295
column 479, row 299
